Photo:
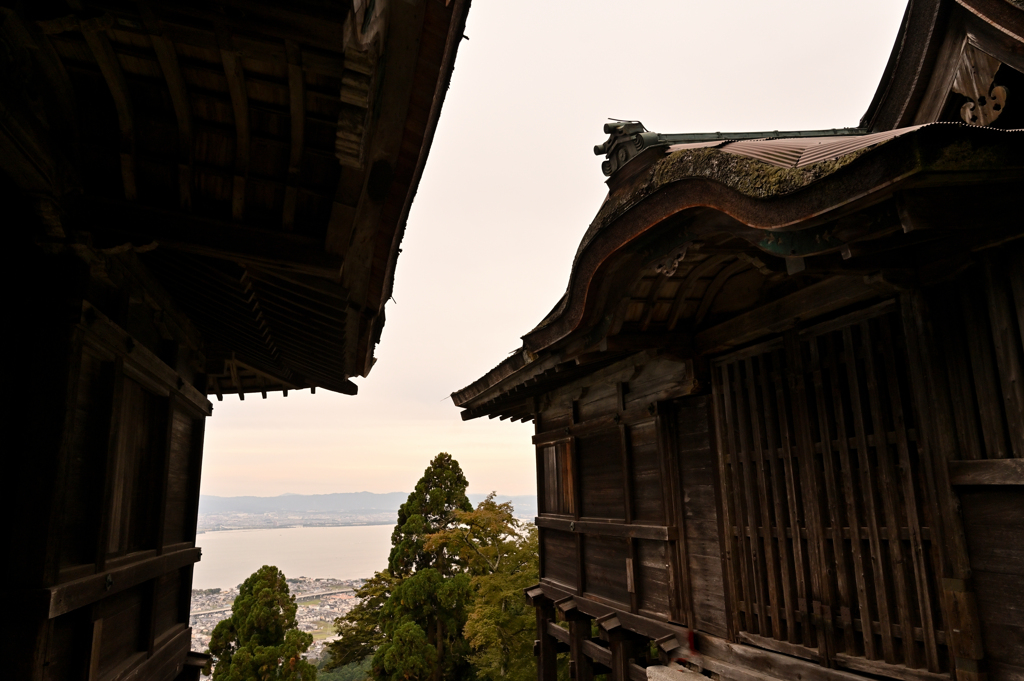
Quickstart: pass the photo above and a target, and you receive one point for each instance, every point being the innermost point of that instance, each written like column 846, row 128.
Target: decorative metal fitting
column 626, row 139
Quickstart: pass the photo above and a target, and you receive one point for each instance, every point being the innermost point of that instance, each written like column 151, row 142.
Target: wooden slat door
column 829, row 549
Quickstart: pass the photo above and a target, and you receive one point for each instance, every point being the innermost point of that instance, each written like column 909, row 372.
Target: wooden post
column 581, row 667
column 623, row 651
column 545, row 646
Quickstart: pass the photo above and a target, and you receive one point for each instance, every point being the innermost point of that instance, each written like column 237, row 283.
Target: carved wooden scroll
column 974, row 79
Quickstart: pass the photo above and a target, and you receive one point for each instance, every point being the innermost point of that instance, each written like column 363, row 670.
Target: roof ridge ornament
column 975, row 79
column 627, row 139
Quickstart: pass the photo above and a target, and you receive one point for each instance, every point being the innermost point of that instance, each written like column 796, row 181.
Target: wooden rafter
column 110, row 67
column 715, row 286
column 232, row 61
column 652, row 302
column 683, row 292
column 297, row 99
column 168, row 59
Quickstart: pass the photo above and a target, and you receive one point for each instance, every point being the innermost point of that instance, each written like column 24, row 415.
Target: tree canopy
column 430, row 508
column 451, row 604
column 260, row 641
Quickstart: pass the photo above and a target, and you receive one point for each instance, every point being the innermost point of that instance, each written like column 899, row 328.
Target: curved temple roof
column 714, row 211
column 701, row 231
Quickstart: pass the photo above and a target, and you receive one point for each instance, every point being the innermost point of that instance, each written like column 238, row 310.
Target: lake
column 347, row 552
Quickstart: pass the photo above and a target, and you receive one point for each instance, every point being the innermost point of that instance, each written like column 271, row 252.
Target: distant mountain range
column 340, row 503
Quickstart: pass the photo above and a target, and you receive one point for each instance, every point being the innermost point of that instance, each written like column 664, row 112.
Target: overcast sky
column 509, row 189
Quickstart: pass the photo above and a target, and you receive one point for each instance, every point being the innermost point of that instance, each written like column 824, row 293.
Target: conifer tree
column 359, row 631
column 424, row 617
column 260, row 641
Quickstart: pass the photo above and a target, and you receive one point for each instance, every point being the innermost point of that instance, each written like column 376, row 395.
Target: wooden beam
column 168, row 59
column 558, row 633
column 68, row 596
column 232, row 61
column 785, row 313
column 297, row 101
column 987, row 472
column 598, row 653
column 110, row 67
column 655, row 532
column 219, row 239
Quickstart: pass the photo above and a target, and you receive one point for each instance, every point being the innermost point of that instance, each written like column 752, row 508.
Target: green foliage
column 423, row 623
column 431, row 508
column 360, row 630
column 353, row 671
column 451, row 604
column 260, row 641
column 502, row 556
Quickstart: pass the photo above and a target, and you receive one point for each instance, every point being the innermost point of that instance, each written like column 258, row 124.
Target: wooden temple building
column 779, row 411
column 204, row 199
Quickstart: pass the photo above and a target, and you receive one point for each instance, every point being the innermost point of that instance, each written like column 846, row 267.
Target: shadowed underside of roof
column 261, row 159
column 711, row 229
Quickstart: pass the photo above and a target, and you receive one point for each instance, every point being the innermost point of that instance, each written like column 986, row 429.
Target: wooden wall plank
column 604, row 565
column 881, row 585
column 778, row 496
column 890, row 503
column 801, row 559
column 760, row 468
column 601, row 487
column 983, row 371
column 821, row 590
column 825, row 436
column 1008, row 350
column 736, row 492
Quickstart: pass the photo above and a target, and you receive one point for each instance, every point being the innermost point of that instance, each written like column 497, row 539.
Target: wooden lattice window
column 829, row 554
column 556, row 479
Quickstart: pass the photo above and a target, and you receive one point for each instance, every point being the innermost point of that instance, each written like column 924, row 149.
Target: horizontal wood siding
column 125, row 627
column 696, row 467
column 179, row 474
column 69, row 647
column 994, row 527
column 559, row 557
column 645, row 474
column 599, row 457
column 652, row 580
column 86, row 460
column 604, row 571
column 167, row 598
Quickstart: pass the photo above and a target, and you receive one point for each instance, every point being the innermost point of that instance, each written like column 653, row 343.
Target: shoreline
column 289, row 527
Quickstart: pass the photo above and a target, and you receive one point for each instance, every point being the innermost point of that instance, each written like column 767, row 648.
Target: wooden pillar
column 581, row 667
column 545, row 646
column 622, row 644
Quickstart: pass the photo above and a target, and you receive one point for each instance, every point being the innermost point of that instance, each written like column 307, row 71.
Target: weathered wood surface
column 608, row 529
column 696, row 467
column 68, row 596
column 994, row 528
column 987, row 472
column 840, row 459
